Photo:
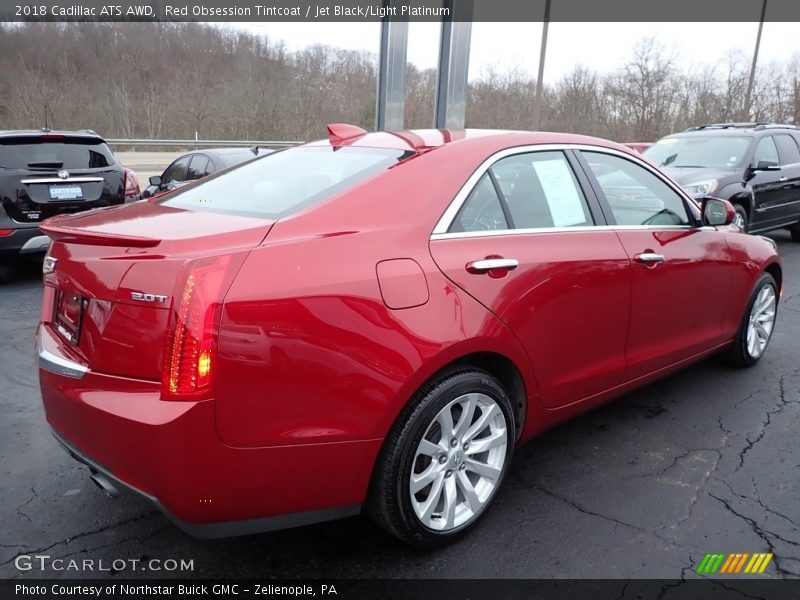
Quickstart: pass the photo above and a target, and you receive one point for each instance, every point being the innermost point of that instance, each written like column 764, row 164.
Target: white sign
column 563, row 198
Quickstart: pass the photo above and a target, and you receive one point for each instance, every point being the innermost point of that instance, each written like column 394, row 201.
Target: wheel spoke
column 487, row 414
column 420, row 480
column 482, row 469
column 445, row 419
column 426, row 508
column 428, row 448
column 469, row 491
column 467, row 413
column 450, row 502
column 498, row 438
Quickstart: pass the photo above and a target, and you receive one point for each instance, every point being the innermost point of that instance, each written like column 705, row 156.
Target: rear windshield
column 66, row 153
column 285, row 182
column 699, row 152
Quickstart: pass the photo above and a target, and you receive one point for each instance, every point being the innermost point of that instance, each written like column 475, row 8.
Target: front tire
column 741, row 220
column 444, row 460
column 794, row 231
column 758, row 323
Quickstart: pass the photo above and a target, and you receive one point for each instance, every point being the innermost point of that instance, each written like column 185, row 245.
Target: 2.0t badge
column 143, row 297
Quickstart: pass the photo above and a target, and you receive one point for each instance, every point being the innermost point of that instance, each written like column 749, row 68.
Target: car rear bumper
column 170, row 453
column 24, row 241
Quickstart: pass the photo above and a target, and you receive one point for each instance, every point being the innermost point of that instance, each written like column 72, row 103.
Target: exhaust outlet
column 104, row 483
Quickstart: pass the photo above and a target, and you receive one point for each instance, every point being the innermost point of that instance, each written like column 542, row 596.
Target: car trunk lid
column 119, row 271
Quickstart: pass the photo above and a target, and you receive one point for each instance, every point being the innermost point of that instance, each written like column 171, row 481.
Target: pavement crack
column 765, row 535
column 83, row 535
column 585, row 510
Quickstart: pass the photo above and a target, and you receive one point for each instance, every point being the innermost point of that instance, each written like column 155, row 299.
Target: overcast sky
column 599, row 46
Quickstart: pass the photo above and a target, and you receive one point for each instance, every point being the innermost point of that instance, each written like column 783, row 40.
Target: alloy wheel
column 458, row 462
column 761, row 322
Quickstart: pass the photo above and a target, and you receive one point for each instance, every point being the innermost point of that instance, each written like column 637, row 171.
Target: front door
column 681, row 272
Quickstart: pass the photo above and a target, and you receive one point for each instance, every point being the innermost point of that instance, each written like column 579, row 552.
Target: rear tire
column 453, row 443
column 741, row 219
column 758, row 323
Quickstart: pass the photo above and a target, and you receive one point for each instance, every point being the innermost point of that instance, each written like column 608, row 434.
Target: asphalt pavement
column 703, row 461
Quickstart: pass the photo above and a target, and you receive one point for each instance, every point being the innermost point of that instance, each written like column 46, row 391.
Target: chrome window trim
column 581, row 229
column 440, row 231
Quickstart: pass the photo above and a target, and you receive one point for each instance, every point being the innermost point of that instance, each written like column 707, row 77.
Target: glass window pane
column 541, row 191
column 636, row 196
column 482, row 210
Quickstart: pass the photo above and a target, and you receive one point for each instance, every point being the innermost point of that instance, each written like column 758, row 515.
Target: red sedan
column 374, row 321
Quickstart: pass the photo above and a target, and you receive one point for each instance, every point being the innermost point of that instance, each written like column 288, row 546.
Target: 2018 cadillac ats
column 374, row 321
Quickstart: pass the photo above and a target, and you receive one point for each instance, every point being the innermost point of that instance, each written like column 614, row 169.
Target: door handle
column 782, row 179
column 649, row 258
column 486, row 265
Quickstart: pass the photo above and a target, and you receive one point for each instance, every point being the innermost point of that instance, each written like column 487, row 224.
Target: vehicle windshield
column 66, row 153
column 699, row 152
column 285, row 182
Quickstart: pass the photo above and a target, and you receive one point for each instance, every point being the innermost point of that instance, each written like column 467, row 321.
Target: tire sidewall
column 431, row 404
column 740, row 210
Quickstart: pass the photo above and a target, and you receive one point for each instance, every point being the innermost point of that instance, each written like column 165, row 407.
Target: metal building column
column 390, row 103
column 450, row 110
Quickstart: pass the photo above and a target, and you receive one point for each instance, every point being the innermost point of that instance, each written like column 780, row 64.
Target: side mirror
column 767, row 165
column 717, row 212
column 155, row 180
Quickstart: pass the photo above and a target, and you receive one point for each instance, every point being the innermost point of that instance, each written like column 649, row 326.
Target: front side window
column 176, row 171
column 636, row 196
column 526, row 191
column 197, row 168
column 766, row 150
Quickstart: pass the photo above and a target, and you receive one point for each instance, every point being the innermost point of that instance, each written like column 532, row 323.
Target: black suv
column 45, row 173
column 754, row 165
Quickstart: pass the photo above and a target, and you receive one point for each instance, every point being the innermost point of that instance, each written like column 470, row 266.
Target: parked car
column 375, row 321
column 45, row 173
column 639, row 147
column 756, row 166
column 198, row 164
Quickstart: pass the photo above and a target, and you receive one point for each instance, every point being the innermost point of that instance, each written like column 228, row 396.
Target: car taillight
column 5, row 232
column 131, row 184
column 191, row 345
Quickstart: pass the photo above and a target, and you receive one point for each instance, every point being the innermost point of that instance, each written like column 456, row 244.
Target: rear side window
column 67, row 153
column 526, row 191
column 285, row 182
column 787, row 149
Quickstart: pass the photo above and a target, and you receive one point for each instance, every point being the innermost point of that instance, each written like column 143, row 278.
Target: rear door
column 788, row 178
column 681, row 272
column 521, row 238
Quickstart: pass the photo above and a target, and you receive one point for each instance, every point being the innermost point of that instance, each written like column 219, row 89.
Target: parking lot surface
column 704, row 461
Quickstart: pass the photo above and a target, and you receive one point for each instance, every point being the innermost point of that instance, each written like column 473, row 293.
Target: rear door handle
column 649, row 258
column 485, row 265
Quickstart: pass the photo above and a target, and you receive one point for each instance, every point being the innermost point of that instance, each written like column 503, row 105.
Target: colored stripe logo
column 736, row 563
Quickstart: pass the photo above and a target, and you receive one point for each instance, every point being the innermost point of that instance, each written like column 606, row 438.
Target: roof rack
column 757, row 126
column 726, row 126
column 777, row 126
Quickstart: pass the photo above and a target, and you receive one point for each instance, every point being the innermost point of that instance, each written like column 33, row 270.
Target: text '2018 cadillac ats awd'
column 374, row 321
